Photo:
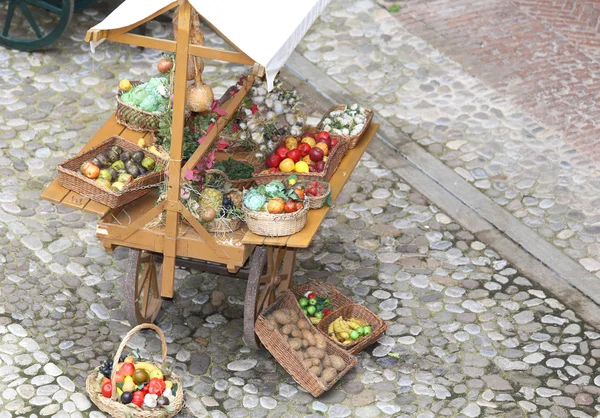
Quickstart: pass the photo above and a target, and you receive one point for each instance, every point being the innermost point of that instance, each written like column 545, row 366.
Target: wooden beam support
column 94, row 35
column 208, row 239
column 174, row 185
column 139, row 222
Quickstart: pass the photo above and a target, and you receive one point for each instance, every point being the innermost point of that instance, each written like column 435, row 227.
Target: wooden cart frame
column 267, row 262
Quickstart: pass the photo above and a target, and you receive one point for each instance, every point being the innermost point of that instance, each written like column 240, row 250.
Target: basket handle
column 122, row 346
column 219, row 172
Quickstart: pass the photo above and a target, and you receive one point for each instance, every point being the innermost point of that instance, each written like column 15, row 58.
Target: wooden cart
column 267, row 262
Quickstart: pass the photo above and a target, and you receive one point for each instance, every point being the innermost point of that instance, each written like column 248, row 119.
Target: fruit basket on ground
column 140, row 105
column 113, row 173
column 352, row 327
column 308, row 356
column 310, row 156
column 346, row 122
column 316, row 193
column 322, row 292
column 136, row 389
column 274, row 209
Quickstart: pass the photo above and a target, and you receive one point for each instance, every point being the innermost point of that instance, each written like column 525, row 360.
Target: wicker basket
column 137, row 119
column 240, row 184
column 378, row 326
column 71, row 178
column 134, row 118
column 332, row 164
column 351, row 139
column 338, row 299
column 287, row 358
column 118, row 410
column 225, row 225
column 318, row 202
column 275, row 225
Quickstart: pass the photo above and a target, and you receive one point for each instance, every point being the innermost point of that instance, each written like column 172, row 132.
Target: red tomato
column 304, row 149
column 282, row 152
column 326, row 312
column 322, row 135
column 334, row 142
column 312, row 295
column 156, row 386
column 289, row 207
column 138, row 398
column 127, row 369
column 107, row 390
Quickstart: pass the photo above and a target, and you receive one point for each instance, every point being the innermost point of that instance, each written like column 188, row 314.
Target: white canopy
column 265, row 30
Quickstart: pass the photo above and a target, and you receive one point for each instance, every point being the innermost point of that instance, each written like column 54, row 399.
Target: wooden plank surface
column 315, row 217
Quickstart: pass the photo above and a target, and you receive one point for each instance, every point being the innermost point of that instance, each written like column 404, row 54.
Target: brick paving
column 543, row 55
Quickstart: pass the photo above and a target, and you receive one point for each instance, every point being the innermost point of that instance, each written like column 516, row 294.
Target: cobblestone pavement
column 512, row 158
column 469, row 335
column 544, row 55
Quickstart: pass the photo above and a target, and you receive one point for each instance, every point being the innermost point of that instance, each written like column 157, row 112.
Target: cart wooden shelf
column 267, row 262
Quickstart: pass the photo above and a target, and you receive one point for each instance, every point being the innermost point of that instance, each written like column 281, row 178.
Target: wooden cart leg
column 142, row 287
column 271, row 272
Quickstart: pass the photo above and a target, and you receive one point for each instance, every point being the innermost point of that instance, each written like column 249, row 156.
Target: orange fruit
column 287, row 165
column 323, row 147
column 310, row 141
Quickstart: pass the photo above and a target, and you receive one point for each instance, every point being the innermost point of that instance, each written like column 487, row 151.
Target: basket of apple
column 127, row 387
column 310, row 156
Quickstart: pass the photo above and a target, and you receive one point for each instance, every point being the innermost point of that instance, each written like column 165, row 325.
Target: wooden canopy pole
column 173, row 191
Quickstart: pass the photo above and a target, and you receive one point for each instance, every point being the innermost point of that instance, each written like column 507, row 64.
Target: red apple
column 127, row 369
column 304, row 149
column 294, row 154
column 282, row 152
column 322, row 134
column 326, row 141
column 273, row 160
column 334, row 142
column 320, row 166
column 316, row 154
column 309, row 134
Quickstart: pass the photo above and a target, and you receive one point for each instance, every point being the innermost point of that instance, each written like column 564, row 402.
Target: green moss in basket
column 235, row 169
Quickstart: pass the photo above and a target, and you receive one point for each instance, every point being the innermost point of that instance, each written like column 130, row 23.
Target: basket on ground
column 287, row 357
column 332, row 164
column 352, row 140
column 337, row 298
column 71, row 178
column 116, row 409
column 275, row 225
column 378, row 326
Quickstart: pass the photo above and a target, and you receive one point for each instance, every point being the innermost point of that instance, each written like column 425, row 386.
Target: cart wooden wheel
column 33, row 24
column 271, row 272
column 142, row 287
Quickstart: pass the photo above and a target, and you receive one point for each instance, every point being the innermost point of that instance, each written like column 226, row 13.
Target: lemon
column 291, row 182
column 301, row 167
column 125, row 85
